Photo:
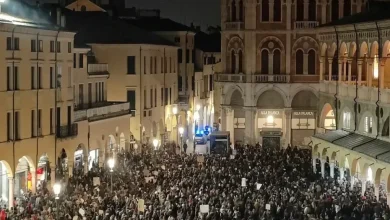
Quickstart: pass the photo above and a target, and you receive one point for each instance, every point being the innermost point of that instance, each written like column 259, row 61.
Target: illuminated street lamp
column 111, row 164
column 197, row 107
column 155, row 144
column 57, row 191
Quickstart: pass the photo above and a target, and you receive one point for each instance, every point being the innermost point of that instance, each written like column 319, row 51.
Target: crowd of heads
column 251, row 182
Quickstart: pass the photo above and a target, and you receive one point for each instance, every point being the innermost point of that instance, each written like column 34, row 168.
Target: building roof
column 99, row 27
column 378, row 10
column 158, row 24
column 208, row 42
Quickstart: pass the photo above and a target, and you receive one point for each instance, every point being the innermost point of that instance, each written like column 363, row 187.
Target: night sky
column 201, row 12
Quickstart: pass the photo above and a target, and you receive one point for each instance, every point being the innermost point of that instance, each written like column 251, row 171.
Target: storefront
column 270, row 123
column 93, row 159
column 303, row 124
column 79, row 161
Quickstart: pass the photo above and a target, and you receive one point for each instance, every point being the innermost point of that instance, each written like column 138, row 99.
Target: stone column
column 11, row 186
column 237, row 10
column 340, row 70
column 52, row 176
column 331, row 165
column 323, row 11
column 287, row 112
column 341, row 9
column 364, row 183
column 369, row 72
column 323, row 168
column 306, row 10
column 270, row 63
column 341, row 171
column 305, row 63
column 229, row 123
column 288, row 14
column 352, row 181
column 349, row 71
column 236, row 58
column 85, row 160
column 376, row 189
column 250, row 118
column 70, row 168
column 330, row 60
column 344, row 70
column 381, row 72
column 223, row 119
column 322, row 68
column 314, row 165
column 360, row 63
column 271, row 10
column 388, row 198
column 33, row 181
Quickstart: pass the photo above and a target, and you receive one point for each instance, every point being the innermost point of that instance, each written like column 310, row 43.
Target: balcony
column 67, row 131
column 228, row 77
column 305, row 78
column 99, row 111
column 234, row 25
column 98, row 69
column 305, row 24
column 271, row 78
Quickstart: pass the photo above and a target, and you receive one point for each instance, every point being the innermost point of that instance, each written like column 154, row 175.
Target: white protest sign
column 258, row 186
column 149, row 179
column 163, row 167
column 82, row 212
column 243, row 182
column 146, row 172
column 204, row 208
column 231, row 157
column 141, row 205
column 268, row 206
column 155, row 173
column 96, row 181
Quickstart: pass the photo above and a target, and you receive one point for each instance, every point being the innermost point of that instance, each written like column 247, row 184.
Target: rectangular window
column 9, row 43
column 187, row 56
column 368, row 124
column 131, row 65
column 180, row 55
column 40, row 78
column 162, row 64
column 58, row 47
column 96, row 92
column 51, row 120
column 39, row 121
column 131, row 99
column 9, row 126
column 155, row 97
column 81, row 95
column 40, row 42
column 16, row 78
column 151, row 98
column 170, row 64
column 74, row 60
column 9, row 79
column 69, row 47
column 155, row 65
column 170, row 96
column 151, row 65
column 33, row 46
column 103, row 93
column 81, row 60
column 144, row 65
column 51, row 46
column 166, row 98
column 69, row 77
column 193, row 56
column 33, row 78
column 162, row 96
column 52, row 77
column 33, row 134
column 145, row 104
column 16, row 43
column 193, row 83
column 211, row 83
column 16, row 126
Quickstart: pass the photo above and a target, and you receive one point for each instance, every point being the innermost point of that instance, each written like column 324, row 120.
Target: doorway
column 273, row 142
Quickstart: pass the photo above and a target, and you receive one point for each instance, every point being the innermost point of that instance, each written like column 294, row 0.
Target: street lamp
column 57, row 190
column 111, row 163
column 155, row 144
column 181, row 131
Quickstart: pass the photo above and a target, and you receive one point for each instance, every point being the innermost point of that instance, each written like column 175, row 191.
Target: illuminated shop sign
column 303, row 113
column 270, row 112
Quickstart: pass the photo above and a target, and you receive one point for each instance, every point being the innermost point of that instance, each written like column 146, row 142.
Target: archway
column 43, row 171
column 79, row 154
column 347, row 171
column 5, row 173
column 237, row 103
column 23, row 176
column 385, row 129
column 327, row 118
column 62, row 165
column 122, row 139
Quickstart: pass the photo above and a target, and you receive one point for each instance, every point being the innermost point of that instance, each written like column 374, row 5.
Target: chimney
column 59, row 16
column 63, row 21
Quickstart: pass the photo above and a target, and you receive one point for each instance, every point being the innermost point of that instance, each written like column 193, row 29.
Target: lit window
column 368, row 124
column 376, row 70
column 347, row 120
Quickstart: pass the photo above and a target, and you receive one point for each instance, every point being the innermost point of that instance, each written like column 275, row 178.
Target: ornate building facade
column 268, row 88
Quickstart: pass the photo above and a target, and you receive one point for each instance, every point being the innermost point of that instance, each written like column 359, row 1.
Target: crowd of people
column 254, row 183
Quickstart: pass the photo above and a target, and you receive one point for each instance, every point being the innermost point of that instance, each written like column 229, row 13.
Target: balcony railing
column 234, row 25
column 226, row 77
column 98, row 68
column 271, row 78
column 67, row 131
column 305, row 24
column 103, row 111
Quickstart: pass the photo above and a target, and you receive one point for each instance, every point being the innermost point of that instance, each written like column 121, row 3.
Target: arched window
column 300, row 10
column 276, row 61
column 241, row 11
column 264, row 10
column 83, row 8
column 234, row 11
column 277, row 10
column 299, row 62
column 240, row 61
column 312, row 10
column 335, row 64
column 233, row 59
column 335, row 10
column 264, row 62
column 347, row 7
column 312, row 62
